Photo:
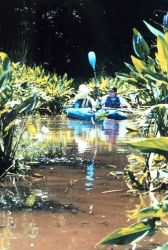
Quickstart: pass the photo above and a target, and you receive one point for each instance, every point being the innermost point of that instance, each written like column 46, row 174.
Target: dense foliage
column 58, row 33
column 148, row 172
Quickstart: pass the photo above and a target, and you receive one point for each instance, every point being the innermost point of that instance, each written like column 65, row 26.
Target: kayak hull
column 88, row 115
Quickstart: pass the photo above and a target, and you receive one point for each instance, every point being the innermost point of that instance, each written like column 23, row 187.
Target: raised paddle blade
column 92, row 59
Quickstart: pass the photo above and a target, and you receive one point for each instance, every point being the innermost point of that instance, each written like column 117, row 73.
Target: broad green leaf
column 164, row 247
column 140, row 46
column 139, row 64
column 156, row 145
column 130, row 234
column 10, row 125
column 155, row 31
column 5, row 61
column 130, row 66
column 27, row 105
column 162, row 54
column 151, row 64
column 159, row 210
column 166, row 38
column 4, row 80
column 155, row 76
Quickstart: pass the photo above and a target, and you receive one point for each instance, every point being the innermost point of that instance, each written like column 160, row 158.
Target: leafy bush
column 148, row 74
column 52, row 89
column 12, row 110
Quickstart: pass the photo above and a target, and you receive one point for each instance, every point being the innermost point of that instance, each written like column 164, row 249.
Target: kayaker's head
column 83, row 89
column 113, row 92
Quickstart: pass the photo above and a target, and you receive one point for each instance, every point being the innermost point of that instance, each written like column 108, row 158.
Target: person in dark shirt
column 112, row 100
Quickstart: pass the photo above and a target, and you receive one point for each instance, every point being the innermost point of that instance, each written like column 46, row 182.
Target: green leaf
column 155, row 76
column 156, row 145
column 155, row 31
column 130, row 66
column 164, row 247
column 123, row 76
column 139, row 64
column 10, row 125
column 151, row 64
column 4, row 80
column 162, row 54
column 130, row 234
column 32, row 129
column 159, row 210
column 5, row 61
column 140, row 46
column 27, row 105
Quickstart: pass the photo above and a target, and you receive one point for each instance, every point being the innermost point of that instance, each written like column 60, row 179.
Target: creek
column 82, row 168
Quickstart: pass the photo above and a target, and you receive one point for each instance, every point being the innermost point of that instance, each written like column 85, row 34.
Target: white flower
column 44, row 130
column 13, row 103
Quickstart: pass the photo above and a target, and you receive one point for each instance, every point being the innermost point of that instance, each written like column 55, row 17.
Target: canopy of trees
column 59, row 33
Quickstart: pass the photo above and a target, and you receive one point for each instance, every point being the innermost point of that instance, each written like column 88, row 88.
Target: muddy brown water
column 84, row 155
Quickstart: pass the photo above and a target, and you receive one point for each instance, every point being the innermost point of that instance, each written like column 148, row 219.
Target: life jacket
column 83, row 103
column 112, row 102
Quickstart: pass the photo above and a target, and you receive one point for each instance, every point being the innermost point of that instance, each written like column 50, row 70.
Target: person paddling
column 82, row 98
column 112, row 100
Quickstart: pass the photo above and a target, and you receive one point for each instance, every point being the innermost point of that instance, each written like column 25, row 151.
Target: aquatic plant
column 155, row 120
column 149, row 219
column 149, row 171
column 12, row 112
column 148, row 74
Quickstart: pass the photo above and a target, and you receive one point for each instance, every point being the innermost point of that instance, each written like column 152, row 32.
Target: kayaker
column 83, row 99
column 112, row 100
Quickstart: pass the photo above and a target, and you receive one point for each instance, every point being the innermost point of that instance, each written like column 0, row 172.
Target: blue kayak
column 89, row 115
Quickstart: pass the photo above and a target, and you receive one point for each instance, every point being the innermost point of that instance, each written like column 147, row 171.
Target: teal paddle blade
column 92, row 59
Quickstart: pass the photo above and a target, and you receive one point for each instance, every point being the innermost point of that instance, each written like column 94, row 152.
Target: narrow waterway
column 81, row 164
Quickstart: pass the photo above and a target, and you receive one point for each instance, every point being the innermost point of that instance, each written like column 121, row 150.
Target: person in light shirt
column 83, row 99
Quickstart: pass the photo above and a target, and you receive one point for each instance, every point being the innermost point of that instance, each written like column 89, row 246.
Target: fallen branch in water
column 67, row 189
column 113, row 191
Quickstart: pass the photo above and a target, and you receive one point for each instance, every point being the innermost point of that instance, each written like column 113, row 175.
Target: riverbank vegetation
column 148, row 172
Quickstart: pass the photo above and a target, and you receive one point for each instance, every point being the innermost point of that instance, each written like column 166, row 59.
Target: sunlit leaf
column 155, row 31
column 139, row 64
column 130, row 234
column 5, row 60
column 37, row 175
column 140, row 46
column 159, row 210
column 32, row 129
column 156, row 145
column 162, row 55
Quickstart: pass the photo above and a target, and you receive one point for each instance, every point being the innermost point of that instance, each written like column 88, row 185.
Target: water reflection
column 27, row 227
column 68, row 137
column 106, row 133
column 89, row 176
column 93, row 138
